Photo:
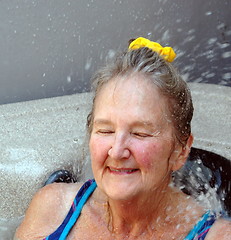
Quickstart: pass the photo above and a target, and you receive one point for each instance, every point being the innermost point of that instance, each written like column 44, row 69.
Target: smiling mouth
column 122, row 170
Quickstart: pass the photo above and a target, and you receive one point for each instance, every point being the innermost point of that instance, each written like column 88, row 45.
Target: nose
column 119, row 148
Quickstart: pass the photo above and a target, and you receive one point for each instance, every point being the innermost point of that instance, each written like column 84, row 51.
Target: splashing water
column 205, row 176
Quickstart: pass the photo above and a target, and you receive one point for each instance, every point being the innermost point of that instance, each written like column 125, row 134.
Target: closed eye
column 104, row 132
column 142, row 135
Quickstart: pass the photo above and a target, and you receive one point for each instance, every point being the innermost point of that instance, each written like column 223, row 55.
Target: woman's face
column 132, row 145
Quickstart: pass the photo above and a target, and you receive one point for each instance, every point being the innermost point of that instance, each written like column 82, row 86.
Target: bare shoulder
column 220, row 230
column 47, row 210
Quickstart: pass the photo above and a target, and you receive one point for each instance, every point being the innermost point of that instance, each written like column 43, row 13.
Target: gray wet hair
column 162, row 74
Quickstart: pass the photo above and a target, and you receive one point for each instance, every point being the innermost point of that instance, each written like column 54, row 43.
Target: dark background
column 52, row 47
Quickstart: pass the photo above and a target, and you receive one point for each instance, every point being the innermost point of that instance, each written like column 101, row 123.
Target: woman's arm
column 46, row 211
column 220, row 230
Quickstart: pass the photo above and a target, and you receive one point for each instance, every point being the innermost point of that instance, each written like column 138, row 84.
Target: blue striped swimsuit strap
column 82, row 196
column 201, row 229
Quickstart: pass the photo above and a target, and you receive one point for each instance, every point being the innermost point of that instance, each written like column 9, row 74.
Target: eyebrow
column 143, row 124
column 134, row 124
column 102, row 121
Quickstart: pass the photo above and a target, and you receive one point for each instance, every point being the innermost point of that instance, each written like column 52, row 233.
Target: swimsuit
column 82, row 196
column 197, row 233
column 201, row 229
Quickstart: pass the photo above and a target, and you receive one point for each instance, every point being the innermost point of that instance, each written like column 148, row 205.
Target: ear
column 183, row 152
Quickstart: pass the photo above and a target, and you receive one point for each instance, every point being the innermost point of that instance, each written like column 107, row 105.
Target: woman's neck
column 139, row 215
column 148, row 218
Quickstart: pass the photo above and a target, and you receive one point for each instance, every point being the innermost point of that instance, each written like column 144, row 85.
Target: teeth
column 118, row 170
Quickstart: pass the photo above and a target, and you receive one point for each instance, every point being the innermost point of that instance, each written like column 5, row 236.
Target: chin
column 120, row 197
column 120, row 192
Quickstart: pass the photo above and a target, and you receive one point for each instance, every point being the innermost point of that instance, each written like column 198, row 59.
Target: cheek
column 98, row 149
column 149, row 154
column 144, row 153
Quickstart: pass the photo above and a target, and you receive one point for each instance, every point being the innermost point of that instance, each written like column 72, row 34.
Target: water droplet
column 168, row 208
column 226, row 76
column 199, row 161
column 208, row 13
column 212, row 40
column 111, row 53
column 178, row 226
column 68, row 79
column 88, row 64
column 226, row 54
column 220, row 26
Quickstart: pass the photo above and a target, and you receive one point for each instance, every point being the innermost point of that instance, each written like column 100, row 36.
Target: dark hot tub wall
column 51, row 48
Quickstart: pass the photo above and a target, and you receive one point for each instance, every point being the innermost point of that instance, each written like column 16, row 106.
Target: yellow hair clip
column 166, row 52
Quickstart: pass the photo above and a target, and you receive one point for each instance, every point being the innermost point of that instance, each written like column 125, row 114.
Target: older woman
column 140, row 133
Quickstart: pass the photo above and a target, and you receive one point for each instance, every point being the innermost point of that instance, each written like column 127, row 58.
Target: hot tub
column 41, row 136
